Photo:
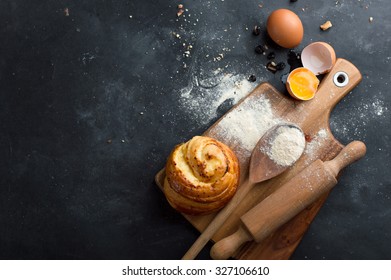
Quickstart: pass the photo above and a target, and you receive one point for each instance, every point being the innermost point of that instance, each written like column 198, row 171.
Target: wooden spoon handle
column 350, row 153
column 226, row 247
column 218, row 221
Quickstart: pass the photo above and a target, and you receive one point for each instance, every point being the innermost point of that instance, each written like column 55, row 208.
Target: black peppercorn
column 280, row 66
column 256, row 30
column 259, row 49
column 252, row 78
column 271, row 55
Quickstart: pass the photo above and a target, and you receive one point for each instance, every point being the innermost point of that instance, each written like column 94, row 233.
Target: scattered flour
column 202, row 98
column 356, row 120
column 378, row 107
column 315, row 144
column 322, row 133
column 287, row 146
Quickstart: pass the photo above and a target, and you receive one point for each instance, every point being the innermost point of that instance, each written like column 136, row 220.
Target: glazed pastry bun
column 201, row 176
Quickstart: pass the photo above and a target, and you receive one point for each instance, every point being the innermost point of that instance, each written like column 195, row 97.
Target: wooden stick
column 218, row 221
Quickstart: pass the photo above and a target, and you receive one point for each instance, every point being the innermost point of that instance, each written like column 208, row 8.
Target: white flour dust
column 202, row 98
column 358, row 119
column 315, row 144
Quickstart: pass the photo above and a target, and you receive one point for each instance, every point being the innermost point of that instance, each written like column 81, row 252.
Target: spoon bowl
column 262, row 167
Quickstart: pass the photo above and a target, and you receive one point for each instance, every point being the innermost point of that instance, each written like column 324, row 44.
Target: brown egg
column 285, row 28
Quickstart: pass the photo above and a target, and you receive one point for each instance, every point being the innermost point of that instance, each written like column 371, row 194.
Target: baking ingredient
column 285, row 28
column 280, row 66
column 271, row 66
column 253, row 119
column 370, row 111
column 210, row 94
column 316, row 142
column 256, row 30
column 259, row 49
column 302, row 84
column 287, row 146
column 180, row 10
column 326, row 25
column 274, row 67
column 271, row 55
column 252, row 78
column 319, row 57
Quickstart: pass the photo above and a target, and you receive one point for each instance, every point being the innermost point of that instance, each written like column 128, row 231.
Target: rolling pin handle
column 227, row 246
column 349, row 154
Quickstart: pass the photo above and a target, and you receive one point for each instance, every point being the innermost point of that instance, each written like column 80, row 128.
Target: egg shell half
column 318, row 57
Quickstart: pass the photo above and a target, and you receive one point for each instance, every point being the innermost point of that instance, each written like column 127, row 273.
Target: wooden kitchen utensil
column 313, row 118
column 261, row 168
column 289, row 200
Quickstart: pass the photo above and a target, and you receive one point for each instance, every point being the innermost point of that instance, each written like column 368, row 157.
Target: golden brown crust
column 201, row 176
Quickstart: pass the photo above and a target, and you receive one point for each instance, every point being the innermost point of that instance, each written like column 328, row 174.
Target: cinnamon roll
column 201, row 176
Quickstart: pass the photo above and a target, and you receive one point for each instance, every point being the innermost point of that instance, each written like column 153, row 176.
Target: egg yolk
column 303, row 84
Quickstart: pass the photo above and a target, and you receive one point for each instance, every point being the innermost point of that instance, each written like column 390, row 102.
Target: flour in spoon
column 287, row 146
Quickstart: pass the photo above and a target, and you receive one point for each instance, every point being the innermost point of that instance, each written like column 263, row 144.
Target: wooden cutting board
column 313, row 117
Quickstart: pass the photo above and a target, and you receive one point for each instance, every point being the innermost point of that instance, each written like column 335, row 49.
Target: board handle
column 342, row 78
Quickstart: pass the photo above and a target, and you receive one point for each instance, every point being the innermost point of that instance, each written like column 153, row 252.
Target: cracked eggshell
column 318, row 57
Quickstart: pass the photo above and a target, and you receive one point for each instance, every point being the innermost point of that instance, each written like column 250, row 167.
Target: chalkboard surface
column 95, row 94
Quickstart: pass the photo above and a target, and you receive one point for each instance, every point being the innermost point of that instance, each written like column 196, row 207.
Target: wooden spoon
column 261, row 168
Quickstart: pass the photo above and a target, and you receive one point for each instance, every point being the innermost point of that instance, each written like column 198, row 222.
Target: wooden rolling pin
column 289, row 200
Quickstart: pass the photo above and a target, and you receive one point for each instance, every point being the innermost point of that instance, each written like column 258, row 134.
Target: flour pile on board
column 202, row 98
column 243, row 127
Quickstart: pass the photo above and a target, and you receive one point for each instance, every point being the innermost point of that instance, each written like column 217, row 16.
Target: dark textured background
column 71, row 84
